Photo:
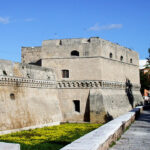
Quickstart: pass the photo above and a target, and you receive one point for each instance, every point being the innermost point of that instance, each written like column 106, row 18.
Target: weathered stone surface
column 36, row 92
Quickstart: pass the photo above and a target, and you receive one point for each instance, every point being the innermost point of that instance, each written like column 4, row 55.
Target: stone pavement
column 137, row 137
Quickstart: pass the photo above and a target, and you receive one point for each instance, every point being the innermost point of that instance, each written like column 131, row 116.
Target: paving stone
column 137, row 137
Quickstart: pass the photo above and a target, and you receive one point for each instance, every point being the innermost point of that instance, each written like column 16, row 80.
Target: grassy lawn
column 49, row 138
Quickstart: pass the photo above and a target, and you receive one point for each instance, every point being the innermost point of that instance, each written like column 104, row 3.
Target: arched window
column 65, row 73
column 110, row 55
column 12, row 96
column 131, row 60
column 74, row 53
column 121, row 58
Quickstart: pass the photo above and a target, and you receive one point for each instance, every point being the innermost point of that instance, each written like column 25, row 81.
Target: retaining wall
column 103, row 137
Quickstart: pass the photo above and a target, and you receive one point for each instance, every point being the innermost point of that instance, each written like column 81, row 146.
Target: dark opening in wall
column 4, row 73
column 60, row 42
column 110, row 55
column 37, row 63
column 76, row 105
column 12, row 96
column 28, row 75
column 131, row 61
column 65, row 73
column 89, row 40
column 121, row 58
column 74, row 53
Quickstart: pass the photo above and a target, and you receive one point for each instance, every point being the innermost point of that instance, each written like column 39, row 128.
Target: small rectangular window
column 76, row 105
column 65, row 73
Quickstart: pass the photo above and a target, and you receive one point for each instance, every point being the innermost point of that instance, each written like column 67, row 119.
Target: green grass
column 112, row 144
column 49, row 138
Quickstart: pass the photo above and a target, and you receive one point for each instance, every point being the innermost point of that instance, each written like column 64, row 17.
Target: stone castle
column 69, row 80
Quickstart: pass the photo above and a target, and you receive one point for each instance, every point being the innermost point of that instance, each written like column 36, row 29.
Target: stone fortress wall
column 28, row 96
column 71, row 80
column 98, row 76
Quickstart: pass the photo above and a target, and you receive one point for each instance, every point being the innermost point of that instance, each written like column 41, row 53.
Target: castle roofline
column 83, row 40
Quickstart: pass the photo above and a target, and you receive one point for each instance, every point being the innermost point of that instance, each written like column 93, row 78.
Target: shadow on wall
column 37, row 63
column 87, row 110
column 129, row 92
column 108, row 117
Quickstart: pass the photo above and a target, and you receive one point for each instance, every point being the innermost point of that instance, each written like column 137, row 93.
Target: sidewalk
column 137, row 137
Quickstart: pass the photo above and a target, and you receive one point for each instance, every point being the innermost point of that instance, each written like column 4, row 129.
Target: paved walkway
column 137, row 137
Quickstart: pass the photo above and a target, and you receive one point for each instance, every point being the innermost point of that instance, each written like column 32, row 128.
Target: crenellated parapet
column 88, row 84
column 25, row 82
column 95, row 84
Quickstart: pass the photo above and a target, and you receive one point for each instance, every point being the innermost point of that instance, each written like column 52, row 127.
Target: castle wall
column 107, row 103
column 92, row 47
column 8, row 68
column 30, row 54
column 28, row 96
column 119, row 71
column 100, row 100
column 63, row 48
column 103, row 77
column 94, row 69
column 31, row 106
column 79, row 68
column 67, row 97
column 103, row 80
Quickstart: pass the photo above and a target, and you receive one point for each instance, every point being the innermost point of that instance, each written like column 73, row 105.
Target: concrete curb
column 9, row 146
column 30, row 127
column 103, row 137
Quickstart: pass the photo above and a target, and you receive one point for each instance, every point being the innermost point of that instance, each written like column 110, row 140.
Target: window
column 28, row 75
column 121, row 58
column 4, row 73
column 74, row 53
column 76, row 105
column 131, row 61
column 65, row 73
column 12, row 96
column 110, row 55
column 60, row 42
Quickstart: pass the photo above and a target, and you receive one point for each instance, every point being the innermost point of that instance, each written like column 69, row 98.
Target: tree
column 145, row 81
column 145, row 75
column 148, row 60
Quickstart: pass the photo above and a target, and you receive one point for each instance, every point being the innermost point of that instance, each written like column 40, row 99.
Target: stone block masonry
column 69, row 80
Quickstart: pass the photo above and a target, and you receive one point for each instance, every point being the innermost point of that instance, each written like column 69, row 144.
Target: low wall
column 9, row 146
column 28, row 128
column 102, row 138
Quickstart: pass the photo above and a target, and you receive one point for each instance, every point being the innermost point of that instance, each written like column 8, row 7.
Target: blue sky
column 29, row 22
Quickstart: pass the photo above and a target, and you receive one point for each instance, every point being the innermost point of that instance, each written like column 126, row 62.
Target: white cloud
column 142, row 63
column 28, row 19
column 97, row 27
column 4, row 20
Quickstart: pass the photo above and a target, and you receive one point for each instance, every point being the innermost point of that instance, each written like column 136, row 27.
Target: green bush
column 49, row 138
